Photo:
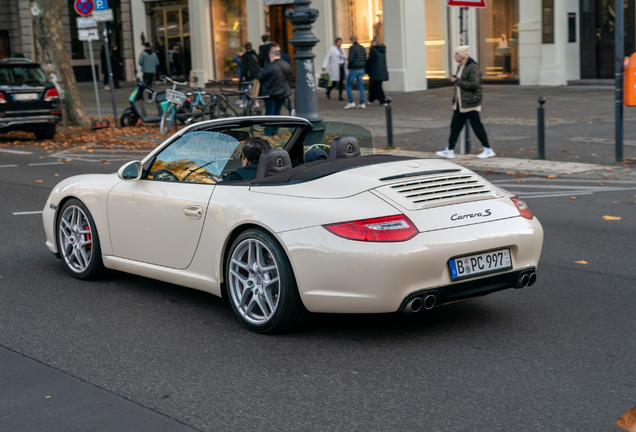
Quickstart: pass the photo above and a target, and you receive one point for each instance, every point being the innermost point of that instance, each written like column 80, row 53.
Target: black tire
column 70, row 237
column 128, row 120
column 289, row 311
column 46, row 133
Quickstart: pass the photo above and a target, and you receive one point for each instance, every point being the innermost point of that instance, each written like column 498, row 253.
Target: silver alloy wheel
column 75, row 239
column 254, row 281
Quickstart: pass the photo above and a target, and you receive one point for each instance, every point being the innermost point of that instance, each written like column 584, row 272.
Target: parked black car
column 28, row 102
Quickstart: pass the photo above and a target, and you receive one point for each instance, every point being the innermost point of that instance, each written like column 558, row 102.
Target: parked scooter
column 137, row 110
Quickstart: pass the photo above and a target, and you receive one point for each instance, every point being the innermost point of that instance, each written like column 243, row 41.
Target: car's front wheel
column 78, row 242
column 261, row 284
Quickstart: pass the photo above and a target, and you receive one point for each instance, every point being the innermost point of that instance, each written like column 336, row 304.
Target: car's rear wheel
column 47, row 133
column 78, row 242
column 261, row 284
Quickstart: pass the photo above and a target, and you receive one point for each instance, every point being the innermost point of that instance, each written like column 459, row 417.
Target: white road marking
column 533, row 190
column 15, row 151
column 8, row 166
column 46, row 163
column 27, row 213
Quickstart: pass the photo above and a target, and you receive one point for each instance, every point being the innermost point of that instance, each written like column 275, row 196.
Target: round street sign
column 84, row 7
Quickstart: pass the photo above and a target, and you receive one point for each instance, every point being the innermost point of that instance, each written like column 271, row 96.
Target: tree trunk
column 54, row 58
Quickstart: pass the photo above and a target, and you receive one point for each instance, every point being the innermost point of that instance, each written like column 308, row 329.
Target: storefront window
column 361, row 17
column 435, row 30
column 229, row 27
column 170, row 36
column 498, row 26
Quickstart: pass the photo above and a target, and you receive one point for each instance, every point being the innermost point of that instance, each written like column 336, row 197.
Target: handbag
column 324, row 81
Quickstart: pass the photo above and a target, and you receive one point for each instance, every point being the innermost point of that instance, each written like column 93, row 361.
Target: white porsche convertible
column 355, row 233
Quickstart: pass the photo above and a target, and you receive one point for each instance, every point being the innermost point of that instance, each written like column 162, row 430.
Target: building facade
column 527, row 42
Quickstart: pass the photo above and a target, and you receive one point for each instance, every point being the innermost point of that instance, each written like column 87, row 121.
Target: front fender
column 92, row 190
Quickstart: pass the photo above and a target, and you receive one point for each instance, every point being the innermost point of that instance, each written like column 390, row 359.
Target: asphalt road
column 128, row 353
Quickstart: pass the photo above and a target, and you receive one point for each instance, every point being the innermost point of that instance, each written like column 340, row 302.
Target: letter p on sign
column 101, row 5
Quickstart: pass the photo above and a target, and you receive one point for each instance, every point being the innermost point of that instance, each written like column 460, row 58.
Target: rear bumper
column 20, row 122
column 343, row 276
column 470, row 288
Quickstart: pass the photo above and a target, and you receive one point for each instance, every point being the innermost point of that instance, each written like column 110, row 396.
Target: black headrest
column 274, row 161
column 344, row 147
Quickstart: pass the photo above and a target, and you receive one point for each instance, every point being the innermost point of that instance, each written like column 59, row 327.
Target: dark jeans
column 148, row 77
column 458, row 122
column 273, row 106
column 376, row 91
column 340, row 83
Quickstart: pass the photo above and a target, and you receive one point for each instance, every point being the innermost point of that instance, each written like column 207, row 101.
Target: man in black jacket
column 274, row 80
column 357, row 62
column 263, row 51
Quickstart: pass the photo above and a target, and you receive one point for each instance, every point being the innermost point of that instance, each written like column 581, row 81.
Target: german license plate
column 480, row 264
column 25, row 96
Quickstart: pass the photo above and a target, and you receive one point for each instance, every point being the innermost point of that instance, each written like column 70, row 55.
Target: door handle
column 193, row 212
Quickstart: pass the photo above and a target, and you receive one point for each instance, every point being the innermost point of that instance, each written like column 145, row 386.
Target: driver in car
column 251, row 154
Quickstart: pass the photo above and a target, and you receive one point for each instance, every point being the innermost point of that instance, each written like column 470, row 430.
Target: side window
column 197, row 157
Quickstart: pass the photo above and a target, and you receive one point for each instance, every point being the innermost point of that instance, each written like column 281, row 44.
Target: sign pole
column 110, row 73
column 619, row 51
column 90, row 50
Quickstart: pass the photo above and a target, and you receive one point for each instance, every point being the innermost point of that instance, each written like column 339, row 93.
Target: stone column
column 404, row 38
column 201, row 42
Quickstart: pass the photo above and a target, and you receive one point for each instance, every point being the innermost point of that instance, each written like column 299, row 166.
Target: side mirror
column 130, row 171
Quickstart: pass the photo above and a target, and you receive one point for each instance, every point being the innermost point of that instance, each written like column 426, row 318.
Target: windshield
column 20, row 75
column 197, row 157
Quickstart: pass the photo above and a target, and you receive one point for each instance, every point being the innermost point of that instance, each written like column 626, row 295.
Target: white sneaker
column 486, row 153
column 350, row 105
column 361, row 106
column 449, row 154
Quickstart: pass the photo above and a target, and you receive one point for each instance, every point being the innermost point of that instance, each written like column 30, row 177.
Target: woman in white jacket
column 335, row 63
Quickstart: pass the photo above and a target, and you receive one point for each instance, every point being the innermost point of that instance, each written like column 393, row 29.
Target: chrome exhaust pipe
column 523, row 281
column 533, row 279
column 413, row 305
column 429, row 302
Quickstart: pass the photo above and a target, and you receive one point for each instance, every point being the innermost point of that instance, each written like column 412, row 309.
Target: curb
column 522, row 167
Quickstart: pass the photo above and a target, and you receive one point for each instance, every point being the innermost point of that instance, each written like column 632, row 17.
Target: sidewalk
column 579, row 126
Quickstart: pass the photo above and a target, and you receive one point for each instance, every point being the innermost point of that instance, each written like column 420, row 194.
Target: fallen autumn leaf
column 611, row 218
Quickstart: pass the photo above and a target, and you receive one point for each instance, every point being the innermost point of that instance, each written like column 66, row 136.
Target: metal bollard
column 389, row 122
column 541, row 131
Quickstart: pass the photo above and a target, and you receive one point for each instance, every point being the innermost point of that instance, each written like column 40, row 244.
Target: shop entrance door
column 170, row 34
column 281, row 30
column 597, row 37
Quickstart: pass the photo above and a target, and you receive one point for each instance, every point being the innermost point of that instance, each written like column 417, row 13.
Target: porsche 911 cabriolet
column 352, row 233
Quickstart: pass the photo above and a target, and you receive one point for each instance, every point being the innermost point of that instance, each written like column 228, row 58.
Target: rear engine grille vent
column 432, row 192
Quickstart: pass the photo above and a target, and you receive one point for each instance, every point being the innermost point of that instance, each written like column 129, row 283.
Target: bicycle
column 176, row 99
column 220, row 106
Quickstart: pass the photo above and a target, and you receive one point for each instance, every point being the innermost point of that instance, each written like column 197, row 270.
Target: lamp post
column 302, row 16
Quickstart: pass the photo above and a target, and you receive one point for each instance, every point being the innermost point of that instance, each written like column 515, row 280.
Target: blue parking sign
column 101, row 5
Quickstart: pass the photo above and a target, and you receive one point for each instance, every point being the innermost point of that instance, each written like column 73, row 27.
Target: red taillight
column 384, row 229
column 522, row 207
column 51, row 94
column 2, row 99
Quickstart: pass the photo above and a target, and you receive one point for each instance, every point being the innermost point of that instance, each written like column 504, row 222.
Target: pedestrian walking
column 377, row 71
column 149, row 62
column 356, row 63
column 467, row 97
column 274, row 80
column 161, row 55
column 249, row 64
column 102, row 56
column 117, row 64
column 335, row 64
column 263, row 51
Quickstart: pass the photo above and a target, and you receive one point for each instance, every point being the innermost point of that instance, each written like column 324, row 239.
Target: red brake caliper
column 88, row 237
